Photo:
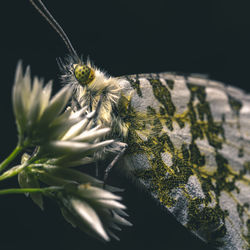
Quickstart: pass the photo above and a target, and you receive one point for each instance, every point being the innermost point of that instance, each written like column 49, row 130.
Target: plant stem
column 13, row 171
column 11, row 157
column 28, row 190
column 17, row 169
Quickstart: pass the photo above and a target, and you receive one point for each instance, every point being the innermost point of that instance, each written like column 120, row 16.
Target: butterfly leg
column 75, row 103
column 111, row 165
column 96, row 169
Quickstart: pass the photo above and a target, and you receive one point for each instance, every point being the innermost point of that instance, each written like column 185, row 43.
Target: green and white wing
column 189, row 146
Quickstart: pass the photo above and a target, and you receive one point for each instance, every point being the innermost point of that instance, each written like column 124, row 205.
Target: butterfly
column 185, row 140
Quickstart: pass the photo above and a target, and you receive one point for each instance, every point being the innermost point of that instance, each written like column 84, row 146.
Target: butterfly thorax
column 97, row 91
column 106, row 92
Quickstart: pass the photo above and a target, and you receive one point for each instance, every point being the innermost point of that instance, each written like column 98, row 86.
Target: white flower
column 82, row 200
column 64, row 139
column 33, row 108
column 62, row 135
column 94, row 210
column 75, row 145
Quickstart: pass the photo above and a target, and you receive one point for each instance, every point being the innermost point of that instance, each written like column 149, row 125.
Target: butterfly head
column 83, row 74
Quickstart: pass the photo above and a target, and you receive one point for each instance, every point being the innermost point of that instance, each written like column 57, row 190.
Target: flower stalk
column 11, row 157
column 29, row 190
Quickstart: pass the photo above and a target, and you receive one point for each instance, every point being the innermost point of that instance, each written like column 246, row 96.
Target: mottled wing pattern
column 189, row 146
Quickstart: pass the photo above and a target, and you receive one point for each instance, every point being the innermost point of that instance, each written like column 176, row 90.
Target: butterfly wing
column 189, row 146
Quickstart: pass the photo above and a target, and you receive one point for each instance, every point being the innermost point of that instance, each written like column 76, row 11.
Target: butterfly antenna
column 55, row 25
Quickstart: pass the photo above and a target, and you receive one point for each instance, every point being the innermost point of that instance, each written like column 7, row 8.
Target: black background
column 121, row 37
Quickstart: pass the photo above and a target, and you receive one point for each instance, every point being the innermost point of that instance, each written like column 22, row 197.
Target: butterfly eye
column 83, row 74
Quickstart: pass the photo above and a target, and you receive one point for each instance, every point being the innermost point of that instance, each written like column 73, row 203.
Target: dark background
column 122, row 37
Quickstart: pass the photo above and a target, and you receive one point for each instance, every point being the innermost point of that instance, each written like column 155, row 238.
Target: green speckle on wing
column 180, row 122
column 223, row 183
column 247, row 236
column 156, row 124
column 163, row 95
column 235, row 105
column 247, row 166
column 241, row 152
column 196, row 156
column 203, row 122
column 135, row 84
column 168, row 120
column 170, row 83
column 205, row 220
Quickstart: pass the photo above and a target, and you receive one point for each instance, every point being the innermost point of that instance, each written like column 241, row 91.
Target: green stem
column 13, row 171
column 17, row 169
column 11, row 157
column 28, row 190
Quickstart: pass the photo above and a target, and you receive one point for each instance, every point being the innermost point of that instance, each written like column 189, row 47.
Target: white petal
column 118, row 219
column 20, row 110
column 114, row 226
column 74, row 130
column 91, row 114
column 69, row 147
column 88, row 214
column 113, row 189
column 121, row 212
column 95, row 128
column 35, row 101
column 90, row 124
column 56, row 105
column 64, row 117
column 19, row 72
column 90, row 192
column 102, row 144
column 110, row 204
column 68, row 217
column 26, row 89
column 27, row 78
column 91, row 136
column 87, row 124
column 113, row 235
column 79, row 112
column 81, row 162
column 61, row 125
column 18, row 105
column 72, row 175
column 49, row 179
column 46, row 93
